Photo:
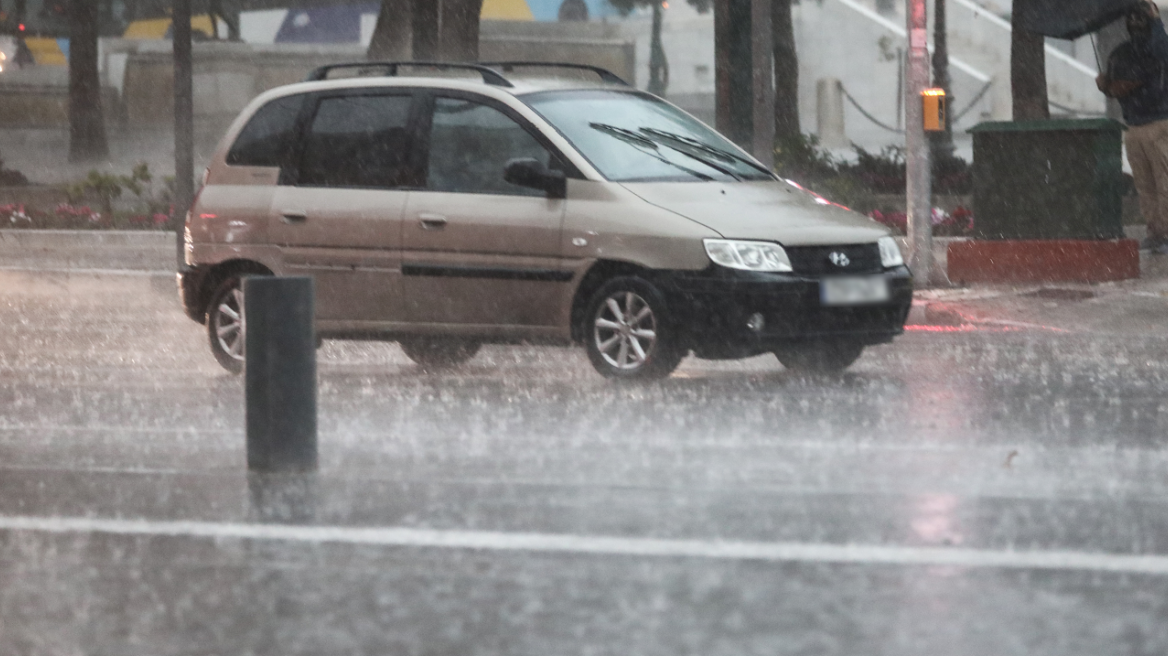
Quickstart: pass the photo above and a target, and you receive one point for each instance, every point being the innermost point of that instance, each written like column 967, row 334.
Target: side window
column 470, row 145
column 265, row 139
column 358, row 141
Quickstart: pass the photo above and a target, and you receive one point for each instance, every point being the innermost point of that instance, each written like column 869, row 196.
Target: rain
column 625, row 340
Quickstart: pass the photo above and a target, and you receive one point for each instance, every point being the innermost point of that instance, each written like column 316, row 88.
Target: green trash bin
column 1060, row 179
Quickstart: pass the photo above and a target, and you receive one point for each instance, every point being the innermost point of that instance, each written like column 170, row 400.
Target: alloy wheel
column 625, row 331
column 231, row 325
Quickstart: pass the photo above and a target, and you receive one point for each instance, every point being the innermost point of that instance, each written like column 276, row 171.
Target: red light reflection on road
column 980, row 328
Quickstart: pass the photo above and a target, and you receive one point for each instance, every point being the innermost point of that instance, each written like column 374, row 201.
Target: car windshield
column 634, row 137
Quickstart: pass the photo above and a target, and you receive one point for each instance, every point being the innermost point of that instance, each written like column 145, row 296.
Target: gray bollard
column 280, row 373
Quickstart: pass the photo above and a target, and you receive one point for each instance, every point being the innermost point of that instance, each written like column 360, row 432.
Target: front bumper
column 715, row 306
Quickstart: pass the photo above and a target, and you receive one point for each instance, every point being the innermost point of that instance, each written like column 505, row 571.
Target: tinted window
column 264, row 140
column 357, row 141
column 470, row 145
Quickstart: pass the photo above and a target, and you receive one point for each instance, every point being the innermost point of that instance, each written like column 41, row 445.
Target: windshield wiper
column 719, row 153
column 649, row 147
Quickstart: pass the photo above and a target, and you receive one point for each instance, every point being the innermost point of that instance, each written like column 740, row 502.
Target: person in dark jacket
column 1137, row 76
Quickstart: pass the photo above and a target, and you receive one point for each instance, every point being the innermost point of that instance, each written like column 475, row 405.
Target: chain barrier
column 973, row 103
column 1076, row 112
column 960, row 115
column 866, row 114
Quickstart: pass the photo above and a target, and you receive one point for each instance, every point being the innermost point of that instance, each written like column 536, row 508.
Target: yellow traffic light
column 934, row 102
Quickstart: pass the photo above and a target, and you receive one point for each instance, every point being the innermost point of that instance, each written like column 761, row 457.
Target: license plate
column 853, row 290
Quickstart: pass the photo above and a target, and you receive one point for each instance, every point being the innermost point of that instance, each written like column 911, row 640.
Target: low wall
column 98, row 249
column 138, row 90
column 43, row 196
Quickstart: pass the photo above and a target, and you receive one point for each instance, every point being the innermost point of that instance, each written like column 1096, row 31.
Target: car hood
column 766, row 210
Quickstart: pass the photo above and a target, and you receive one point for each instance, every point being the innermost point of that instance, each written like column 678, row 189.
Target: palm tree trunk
column 1027, row 71
column 393, row 34
column 658, row 65
column 426, row 17
column 460, row 30
column 786, row 73
column 942, row 142
column 87, row 141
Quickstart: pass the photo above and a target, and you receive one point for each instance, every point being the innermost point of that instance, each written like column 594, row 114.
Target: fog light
column 756, row 322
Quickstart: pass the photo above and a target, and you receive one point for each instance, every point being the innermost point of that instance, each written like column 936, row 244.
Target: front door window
column 470, row 145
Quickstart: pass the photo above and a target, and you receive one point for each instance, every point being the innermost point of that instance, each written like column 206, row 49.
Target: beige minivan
column 527, row 203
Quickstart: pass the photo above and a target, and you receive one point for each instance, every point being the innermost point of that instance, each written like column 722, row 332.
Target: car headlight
column 748, row 255
column 889, row 252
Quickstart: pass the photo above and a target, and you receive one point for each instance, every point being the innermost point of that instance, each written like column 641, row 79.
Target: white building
column 851, row 41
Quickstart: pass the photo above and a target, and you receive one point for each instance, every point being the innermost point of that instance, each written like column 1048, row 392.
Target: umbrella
column 1069, row 19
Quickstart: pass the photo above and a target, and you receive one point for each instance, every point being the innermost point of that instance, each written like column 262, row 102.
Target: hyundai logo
column 839, row 259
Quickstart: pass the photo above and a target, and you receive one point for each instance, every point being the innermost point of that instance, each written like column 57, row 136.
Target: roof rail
column 490, row 76
column 606, row 75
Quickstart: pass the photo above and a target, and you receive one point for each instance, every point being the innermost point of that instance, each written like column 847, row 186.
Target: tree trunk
column 228, row 12
column 87, row 140
column 1027, row 71
column 786, row 73
column 658, row 65
column 426, row 17
column 393, row 34
column 732, row 71
column 942, row 142
column 460, row 30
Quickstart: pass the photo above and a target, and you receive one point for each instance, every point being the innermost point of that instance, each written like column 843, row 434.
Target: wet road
column 992, row 490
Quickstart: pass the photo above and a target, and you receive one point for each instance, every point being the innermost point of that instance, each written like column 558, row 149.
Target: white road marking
column 606, row 546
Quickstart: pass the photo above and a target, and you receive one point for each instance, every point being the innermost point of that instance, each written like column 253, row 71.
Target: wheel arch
column 599, row 273
column 222, row 271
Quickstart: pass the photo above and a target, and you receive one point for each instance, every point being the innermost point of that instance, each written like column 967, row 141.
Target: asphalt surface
column 981, row 486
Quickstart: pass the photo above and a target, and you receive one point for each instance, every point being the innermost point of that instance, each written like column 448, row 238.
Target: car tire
column 226, row 325
column 629, row 333
column 439, row 352
column 821, row 356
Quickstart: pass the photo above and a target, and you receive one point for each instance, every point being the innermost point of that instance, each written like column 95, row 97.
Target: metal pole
column 762, row 81
column 184, row 137
column 918, row 175
column 280, row 373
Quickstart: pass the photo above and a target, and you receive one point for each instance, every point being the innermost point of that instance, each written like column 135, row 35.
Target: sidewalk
column 1129, row 307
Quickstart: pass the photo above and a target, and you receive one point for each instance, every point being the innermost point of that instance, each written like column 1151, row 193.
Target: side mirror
column 534, row 174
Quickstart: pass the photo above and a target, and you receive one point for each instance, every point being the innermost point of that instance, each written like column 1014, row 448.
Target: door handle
column 292, row 216
column 432, row 221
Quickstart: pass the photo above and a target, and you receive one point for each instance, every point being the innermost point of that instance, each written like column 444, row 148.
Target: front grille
column 816, row 260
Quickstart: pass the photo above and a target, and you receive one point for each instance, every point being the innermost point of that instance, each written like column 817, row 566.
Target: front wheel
column 629, row 334
column 820, row 357
column 439, row 352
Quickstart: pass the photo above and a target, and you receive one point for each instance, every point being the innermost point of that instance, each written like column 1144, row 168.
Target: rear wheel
column 439, row 352
column 226, row 325
column 629, row 334
column 820, row 356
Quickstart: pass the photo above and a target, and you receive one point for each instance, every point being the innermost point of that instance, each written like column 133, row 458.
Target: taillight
column 194, row 204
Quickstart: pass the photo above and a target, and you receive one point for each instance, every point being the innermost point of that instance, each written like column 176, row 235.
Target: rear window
column 265, row 139
column 358, row 141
